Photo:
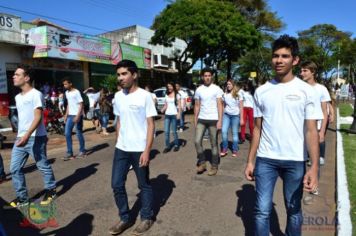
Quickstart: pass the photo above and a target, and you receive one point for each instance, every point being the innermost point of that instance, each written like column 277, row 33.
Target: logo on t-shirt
column 293, row 97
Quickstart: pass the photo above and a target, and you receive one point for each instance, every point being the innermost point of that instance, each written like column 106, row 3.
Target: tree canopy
column 208, row 27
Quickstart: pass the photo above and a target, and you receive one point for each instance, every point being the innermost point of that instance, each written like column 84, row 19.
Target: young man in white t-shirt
column 135, row 112
column 308, row 73
column 208, row 112
column 285, row 119
column 31, row 139
column 73, row 117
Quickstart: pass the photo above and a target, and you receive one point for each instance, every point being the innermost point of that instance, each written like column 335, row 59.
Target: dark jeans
column 266, row 174
column 120, row 169
column 202, row 126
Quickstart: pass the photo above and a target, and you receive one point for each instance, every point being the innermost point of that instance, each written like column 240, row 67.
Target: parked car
column 161, row 93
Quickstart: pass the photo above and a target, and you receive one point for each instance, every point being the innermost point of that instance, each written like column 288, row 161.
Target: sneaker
column 201, row 168
column 166, row 150
column 234, row 154
column 176, row 149
column 223, row 153
column 131, row 167
column 120, row 227
column 322, row 161
column 18, row 203
column 180, row 130
column 213, row 171
column 82, row 155
column 49, row 196
column 143, row 227
column 68, row 157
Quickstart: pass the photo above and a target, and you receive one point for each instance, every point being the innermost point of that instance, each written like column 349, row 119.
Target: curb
column 344, row 225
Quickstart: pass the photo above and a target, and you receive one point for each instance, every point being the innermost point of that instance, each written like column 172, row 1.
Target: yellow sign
column 253, row 74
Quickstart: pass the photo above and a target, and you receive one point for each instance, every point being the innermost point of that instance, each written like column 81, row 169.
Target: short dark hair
column 130, row 65
column 207, row 69
column 286, row 41
column 27, row 70
column 68, row 79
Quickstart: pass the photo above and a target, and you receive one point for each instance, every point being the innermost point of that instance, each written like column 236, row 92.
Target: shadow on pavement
column 32, row 167
column 246, row 198
column 153, row 154
column 162, row 189
column 68, row 182
column 80, row 226
column 158, row 132
column 97, row 148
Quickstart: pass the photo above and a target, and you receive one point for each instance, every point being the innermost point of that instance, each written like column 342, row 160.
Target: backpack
column 86, row 103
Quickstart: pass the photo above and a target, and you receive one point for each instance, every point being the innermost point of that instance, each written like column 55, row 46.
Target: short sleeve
column 197, row 94
column 257, row 107
column 37, row 100
column 312, row 107
column 326, row 95
column 150, row 107
column 219, row 92
column 79, row 97
column 116, row 106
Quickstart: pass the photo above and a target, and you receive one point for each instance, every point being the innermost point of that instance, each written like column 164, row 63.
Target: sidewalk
column 320, row 216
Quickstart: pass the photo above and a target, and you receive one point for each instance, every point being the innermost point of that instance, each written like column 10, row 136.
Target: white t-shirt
column 183, row 97
column 133, row 109
column 172, row 108
column 322, row 95
column 232, row 105
column 26, row 105
column 248, row 99
column 74, row 99
column 208, row 95
column 284, row 107
column 154, row 97
column 93, row 98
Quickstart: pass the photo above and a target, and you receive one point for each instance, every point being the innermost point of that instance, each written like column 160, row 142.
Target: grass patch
column 349, row 144
column 345, row 109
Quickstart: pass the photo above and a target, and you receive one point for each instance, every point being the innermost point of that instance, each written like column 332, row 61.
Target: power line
column 54, row 18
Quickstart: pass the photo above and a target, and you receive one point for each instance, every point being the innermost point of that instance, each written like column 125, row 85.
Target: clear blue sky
column 115, row 14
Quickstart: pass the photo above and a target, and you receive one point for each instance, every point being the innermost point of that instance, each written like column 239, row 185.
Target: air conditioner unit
column 160, row 60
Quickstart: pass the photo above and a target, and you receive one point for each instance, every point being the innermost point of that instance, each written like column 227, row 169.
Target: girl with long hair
column 172, row 111
column 233, row 112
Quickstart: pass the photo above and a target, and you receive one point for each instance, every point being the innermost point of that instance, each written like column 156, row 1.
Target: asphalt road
column 184, row 203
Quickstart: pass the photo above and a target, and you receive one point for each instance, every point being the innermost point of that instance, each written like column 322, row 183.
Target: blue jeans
column 104, row 120
column 181, row 120
column 170, row 121
column 266, row 174
column 36, row 147
column 2, row 170
column 232, row 121
column 79, row 131
column 120, row 169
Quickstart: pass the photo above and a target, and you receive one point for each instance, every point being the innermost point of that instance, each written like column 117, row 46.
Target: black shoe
column 176, row 149
column 120, row 227
column 241, row 141
column 49, row 196
column 166, row 150
column 17, row 203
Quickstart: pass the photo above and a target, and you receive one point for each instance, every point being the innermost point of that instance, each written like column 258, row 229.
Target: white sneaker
column 322, row 161
column 130, row 167
column 180, row 130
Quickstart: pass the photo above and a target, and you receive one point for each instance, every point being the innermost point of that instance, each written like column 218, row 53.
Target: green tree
column 322, row 44
column 210, row 28
column 109, row 82
column 347, row 57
